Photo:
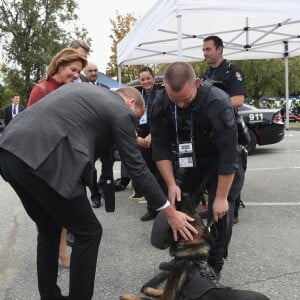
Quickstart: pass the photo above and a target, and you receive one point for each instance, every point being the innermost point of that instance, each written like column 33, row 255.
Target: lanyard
column 147, row 98
column 176, row 125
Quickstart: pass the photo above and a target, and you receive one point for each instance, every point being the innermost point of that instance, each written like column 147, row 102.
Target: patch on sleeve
column 238, row 76
column 227, row 116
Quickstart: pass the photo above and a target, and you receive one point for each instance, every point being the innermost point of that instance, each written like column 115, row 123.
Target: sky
column 94, row 16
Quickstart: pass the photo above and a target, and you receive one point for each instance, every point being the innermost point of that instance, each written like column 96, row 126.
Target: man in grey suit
column 47, row 155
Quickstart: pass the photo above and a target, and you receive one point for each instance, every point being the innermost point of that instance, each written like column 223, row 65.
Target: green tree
column 120, row 27
column 32, row 32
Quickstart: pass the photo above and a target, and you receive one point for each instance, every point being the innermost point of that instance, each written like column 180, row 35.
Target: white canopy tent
column 174, row 30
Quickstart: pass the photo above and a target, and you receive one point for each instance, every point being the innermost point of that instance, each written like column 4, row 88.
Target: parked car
column 2, row 125
column 294, row 112
column 265, row 125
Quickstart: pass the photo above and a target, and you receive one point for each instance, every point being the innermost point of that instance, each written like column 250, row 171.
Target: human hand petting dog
column 179, row 223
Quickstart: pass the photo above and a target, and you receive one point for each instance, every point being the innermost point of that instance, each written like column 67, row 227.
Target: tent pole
column 287, row 106
column 119, row 75
column 286, row 67
column 179, row 37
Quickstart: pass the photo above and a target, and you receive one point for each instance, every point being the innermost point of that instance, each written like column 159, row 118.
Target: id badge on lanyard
column 186, row 155
column 185, row 149
column 143, row 119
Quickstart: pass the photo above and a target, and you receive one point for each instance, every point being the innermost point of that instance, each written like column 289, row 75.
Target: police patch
column 227, row 116
column 238, row 76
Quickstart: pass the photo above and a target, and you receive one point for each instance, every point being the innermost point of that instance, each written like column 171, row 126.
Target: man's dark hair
column 75, row 44
column 14, row 95
column 217, row 41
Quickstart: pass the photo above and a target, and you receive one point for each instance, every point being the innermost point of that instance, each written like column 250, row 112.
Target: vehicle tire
column 252, row 145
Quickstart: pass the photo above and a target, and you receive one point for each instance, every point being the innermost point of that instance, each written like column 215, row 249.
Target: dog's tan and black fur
column 191, row 275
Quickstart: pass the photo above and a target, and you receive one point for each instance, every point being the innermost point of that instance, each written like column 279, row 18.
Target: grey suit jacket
column 61, row 137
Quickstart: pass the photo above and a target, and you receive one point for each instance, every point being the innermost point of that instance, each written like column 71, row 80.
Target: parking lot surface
column 263, row 254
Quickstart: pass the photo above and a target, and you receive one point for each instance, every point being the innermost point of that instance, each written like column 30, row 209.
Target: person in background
column 50, row 170
column 231, row 76
column 91, row 76
column 84, row 50
column 64, row 68
column 149, row 91
column 13, row 109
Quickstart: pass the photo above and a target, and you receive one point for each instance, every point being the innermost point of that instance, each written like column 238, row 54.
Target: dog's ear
column 187, row 204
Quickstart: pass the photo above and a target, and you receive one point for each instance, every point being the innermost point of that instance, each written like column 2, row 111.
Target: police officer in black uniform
column 233, row 80
column 199, row 119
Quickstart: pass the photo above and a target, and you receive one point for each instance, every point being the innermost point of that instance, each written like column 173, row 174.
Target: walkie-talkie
column 108, row 185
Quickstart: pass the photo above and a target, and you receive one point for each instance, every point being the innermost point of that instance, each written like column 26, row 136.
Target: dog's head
column 202, row 241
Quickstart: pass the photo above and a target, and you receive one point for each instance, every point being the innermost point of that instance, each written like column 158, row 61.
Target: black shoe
column 235, row 220
column 121, row 184
column 70, row 239
column 167, row 265
column 148, row 216
column 96, row 200
column 216, row 273
column 204, row 214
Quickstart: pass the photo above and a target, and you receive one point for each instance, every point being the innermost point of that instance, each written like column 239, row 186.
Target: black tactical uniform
column 230, row 75
column 234, row 84
column 210, row 123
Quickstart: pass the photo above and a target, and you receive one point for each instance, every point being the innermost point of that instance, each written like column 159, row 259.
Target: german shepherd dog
column 192, row 278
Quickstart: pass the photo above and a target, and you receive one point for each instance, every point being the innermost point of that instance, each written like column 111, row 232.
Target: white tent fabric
column 174, row 30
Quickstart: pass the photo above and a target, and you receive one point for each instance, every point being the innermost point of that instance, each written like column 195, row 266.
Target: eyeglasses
column 90, row 71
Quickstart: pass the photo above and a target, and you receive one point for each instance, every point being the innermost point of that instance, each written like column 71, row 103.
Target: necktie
column 14, row 109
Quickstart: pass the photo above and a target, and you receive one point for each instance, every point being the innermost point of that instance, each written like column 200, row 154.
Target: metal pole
column 286, row 67
column 119, row 75
column 179, row 37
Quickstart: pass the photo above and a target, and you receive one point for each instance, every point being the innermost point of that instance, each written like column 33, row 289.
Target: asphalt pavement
column 263, row 254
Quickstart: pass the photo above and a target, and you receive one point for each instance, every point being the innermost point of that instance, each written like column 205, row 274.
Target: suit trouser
column 51, row 212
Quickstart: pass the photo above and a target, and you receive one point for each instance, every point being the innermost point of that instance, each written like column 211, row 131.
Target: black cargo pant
column 190, row 182
column 51, row 212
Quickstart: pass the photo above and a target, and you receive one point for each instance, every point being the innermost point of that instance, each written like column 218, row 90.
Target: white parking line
column 263, row 169
column 272, row 203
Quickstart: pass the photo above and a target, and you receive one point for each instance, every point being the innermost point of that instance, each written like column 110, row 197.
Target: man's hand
column 220, row 208
column 147, row 141
column 174, row 194
column 179, row 222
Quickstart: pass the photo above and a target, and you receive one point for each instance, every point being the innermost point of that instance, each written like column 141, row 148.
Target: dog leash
column 212, row 228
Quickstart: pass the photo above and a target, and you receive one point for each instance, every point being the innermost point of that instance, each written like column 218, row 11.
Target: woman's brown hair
column 64, row 58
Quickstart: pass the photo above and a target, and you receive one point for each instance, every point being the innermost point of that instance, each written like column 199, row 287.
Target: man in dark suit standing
column 91, row 74
column 50, row 150
column 13, row 109
column 91, row 77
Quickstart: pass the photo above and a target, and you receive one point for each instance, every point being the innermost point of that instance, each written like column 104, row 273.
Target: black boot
column 167, row 265
column 96, row 200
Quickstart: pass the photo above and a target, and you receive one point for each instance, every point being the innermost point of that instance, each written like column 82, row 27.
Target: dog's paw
column 149, row 291
column 130, row 297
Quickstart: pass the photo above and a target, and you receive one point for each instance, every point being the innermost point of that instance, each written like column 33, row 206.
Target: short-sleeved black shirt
column 214, row 129
column 230, row 75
